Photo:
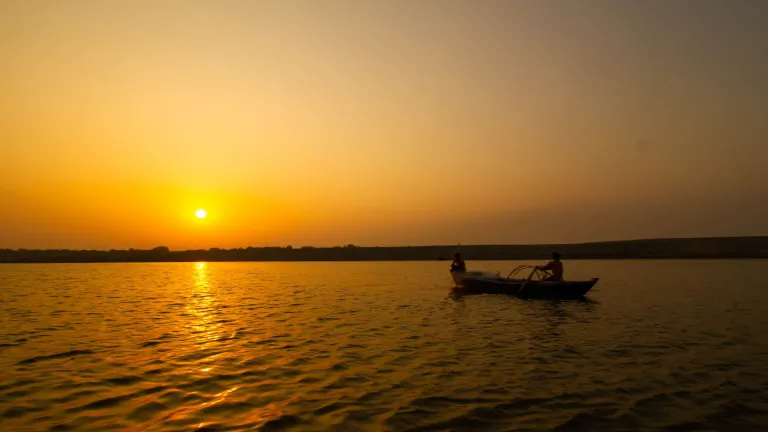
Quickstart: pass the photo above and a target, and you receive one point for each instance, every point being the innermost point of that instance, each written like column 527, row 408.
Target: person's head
column 457, row 256
column 555, row 256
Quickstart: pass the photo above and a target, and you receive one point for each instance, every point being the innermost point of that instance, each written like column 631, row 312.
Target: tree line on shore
column 718, row 247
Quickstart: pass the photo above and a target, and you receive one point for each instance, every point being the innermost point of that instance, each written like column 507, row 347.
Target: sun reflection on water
column 202, row 304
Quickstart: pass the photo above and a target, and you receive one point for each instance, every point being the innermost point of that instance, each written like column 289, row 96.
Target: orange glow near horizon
column 378, row 123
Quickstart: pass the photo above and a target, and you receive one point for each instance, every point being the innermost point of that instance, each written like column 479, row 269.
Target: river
column 380, row 346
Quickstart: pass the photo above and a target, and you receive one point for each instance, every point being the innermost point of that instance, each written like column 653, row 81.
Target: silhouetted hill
column 719, row 247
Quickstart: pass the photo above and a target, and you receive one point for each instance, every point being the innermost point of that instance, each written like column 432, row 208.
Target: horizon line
column 409, row 246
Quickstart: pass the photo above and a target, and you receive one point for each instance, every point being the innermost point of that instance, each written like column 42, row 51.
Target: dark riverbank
column 721, row 247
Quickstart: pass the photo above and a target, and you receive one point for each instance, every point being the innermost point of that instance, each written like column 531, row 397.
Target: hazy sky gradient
column 380, row 123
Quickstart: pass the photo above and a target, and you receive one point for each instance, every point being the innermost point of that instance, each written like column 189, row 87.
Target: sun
column 201, row 213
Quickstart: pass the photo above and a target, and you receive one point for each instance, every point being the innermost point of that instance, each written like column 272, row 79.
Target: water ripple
column 62, row 355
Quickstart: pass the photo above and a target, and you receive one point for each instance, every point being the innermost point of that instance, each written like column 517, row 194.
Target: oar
column 530, row 276
column 525, row 284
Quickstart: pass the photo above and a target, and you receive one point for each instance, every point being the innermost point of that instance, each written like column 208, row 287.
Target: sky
column 380, row 122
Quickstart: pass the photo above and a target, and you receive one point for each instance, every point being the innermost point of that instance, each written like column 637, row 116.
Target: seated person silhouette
column 555, row 266
column 458, row 264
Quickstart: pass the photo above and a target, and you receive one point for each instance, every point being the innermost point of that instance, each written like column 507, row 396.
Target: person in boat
column 555, row 266
column 458, row 263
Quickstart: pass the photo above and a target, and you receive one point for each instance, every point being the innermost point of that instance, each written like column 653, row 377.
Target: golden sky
column 380, row 122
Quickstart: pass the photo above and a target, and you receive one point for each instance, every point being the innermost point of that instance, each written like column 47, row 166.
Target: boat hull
column 485, row 283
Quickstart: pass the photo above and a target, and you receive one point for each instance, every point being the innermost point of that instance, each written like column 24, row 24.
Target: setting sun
column 201, row 213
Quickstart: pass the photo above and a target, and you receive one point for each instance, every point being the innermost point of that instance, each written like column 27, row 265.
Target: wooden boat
column 534, row 286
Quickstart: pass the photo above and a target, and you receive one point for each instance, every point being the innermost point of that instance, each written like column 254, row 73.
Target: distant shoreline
column 672, row 248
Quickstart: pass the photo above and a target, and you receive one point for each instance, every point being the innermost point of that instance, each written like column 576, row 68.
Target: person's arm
column 545, row 267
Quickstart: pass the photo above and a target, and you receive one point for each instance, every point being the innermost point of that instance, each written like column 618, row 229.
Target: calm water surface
column 676, row 345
